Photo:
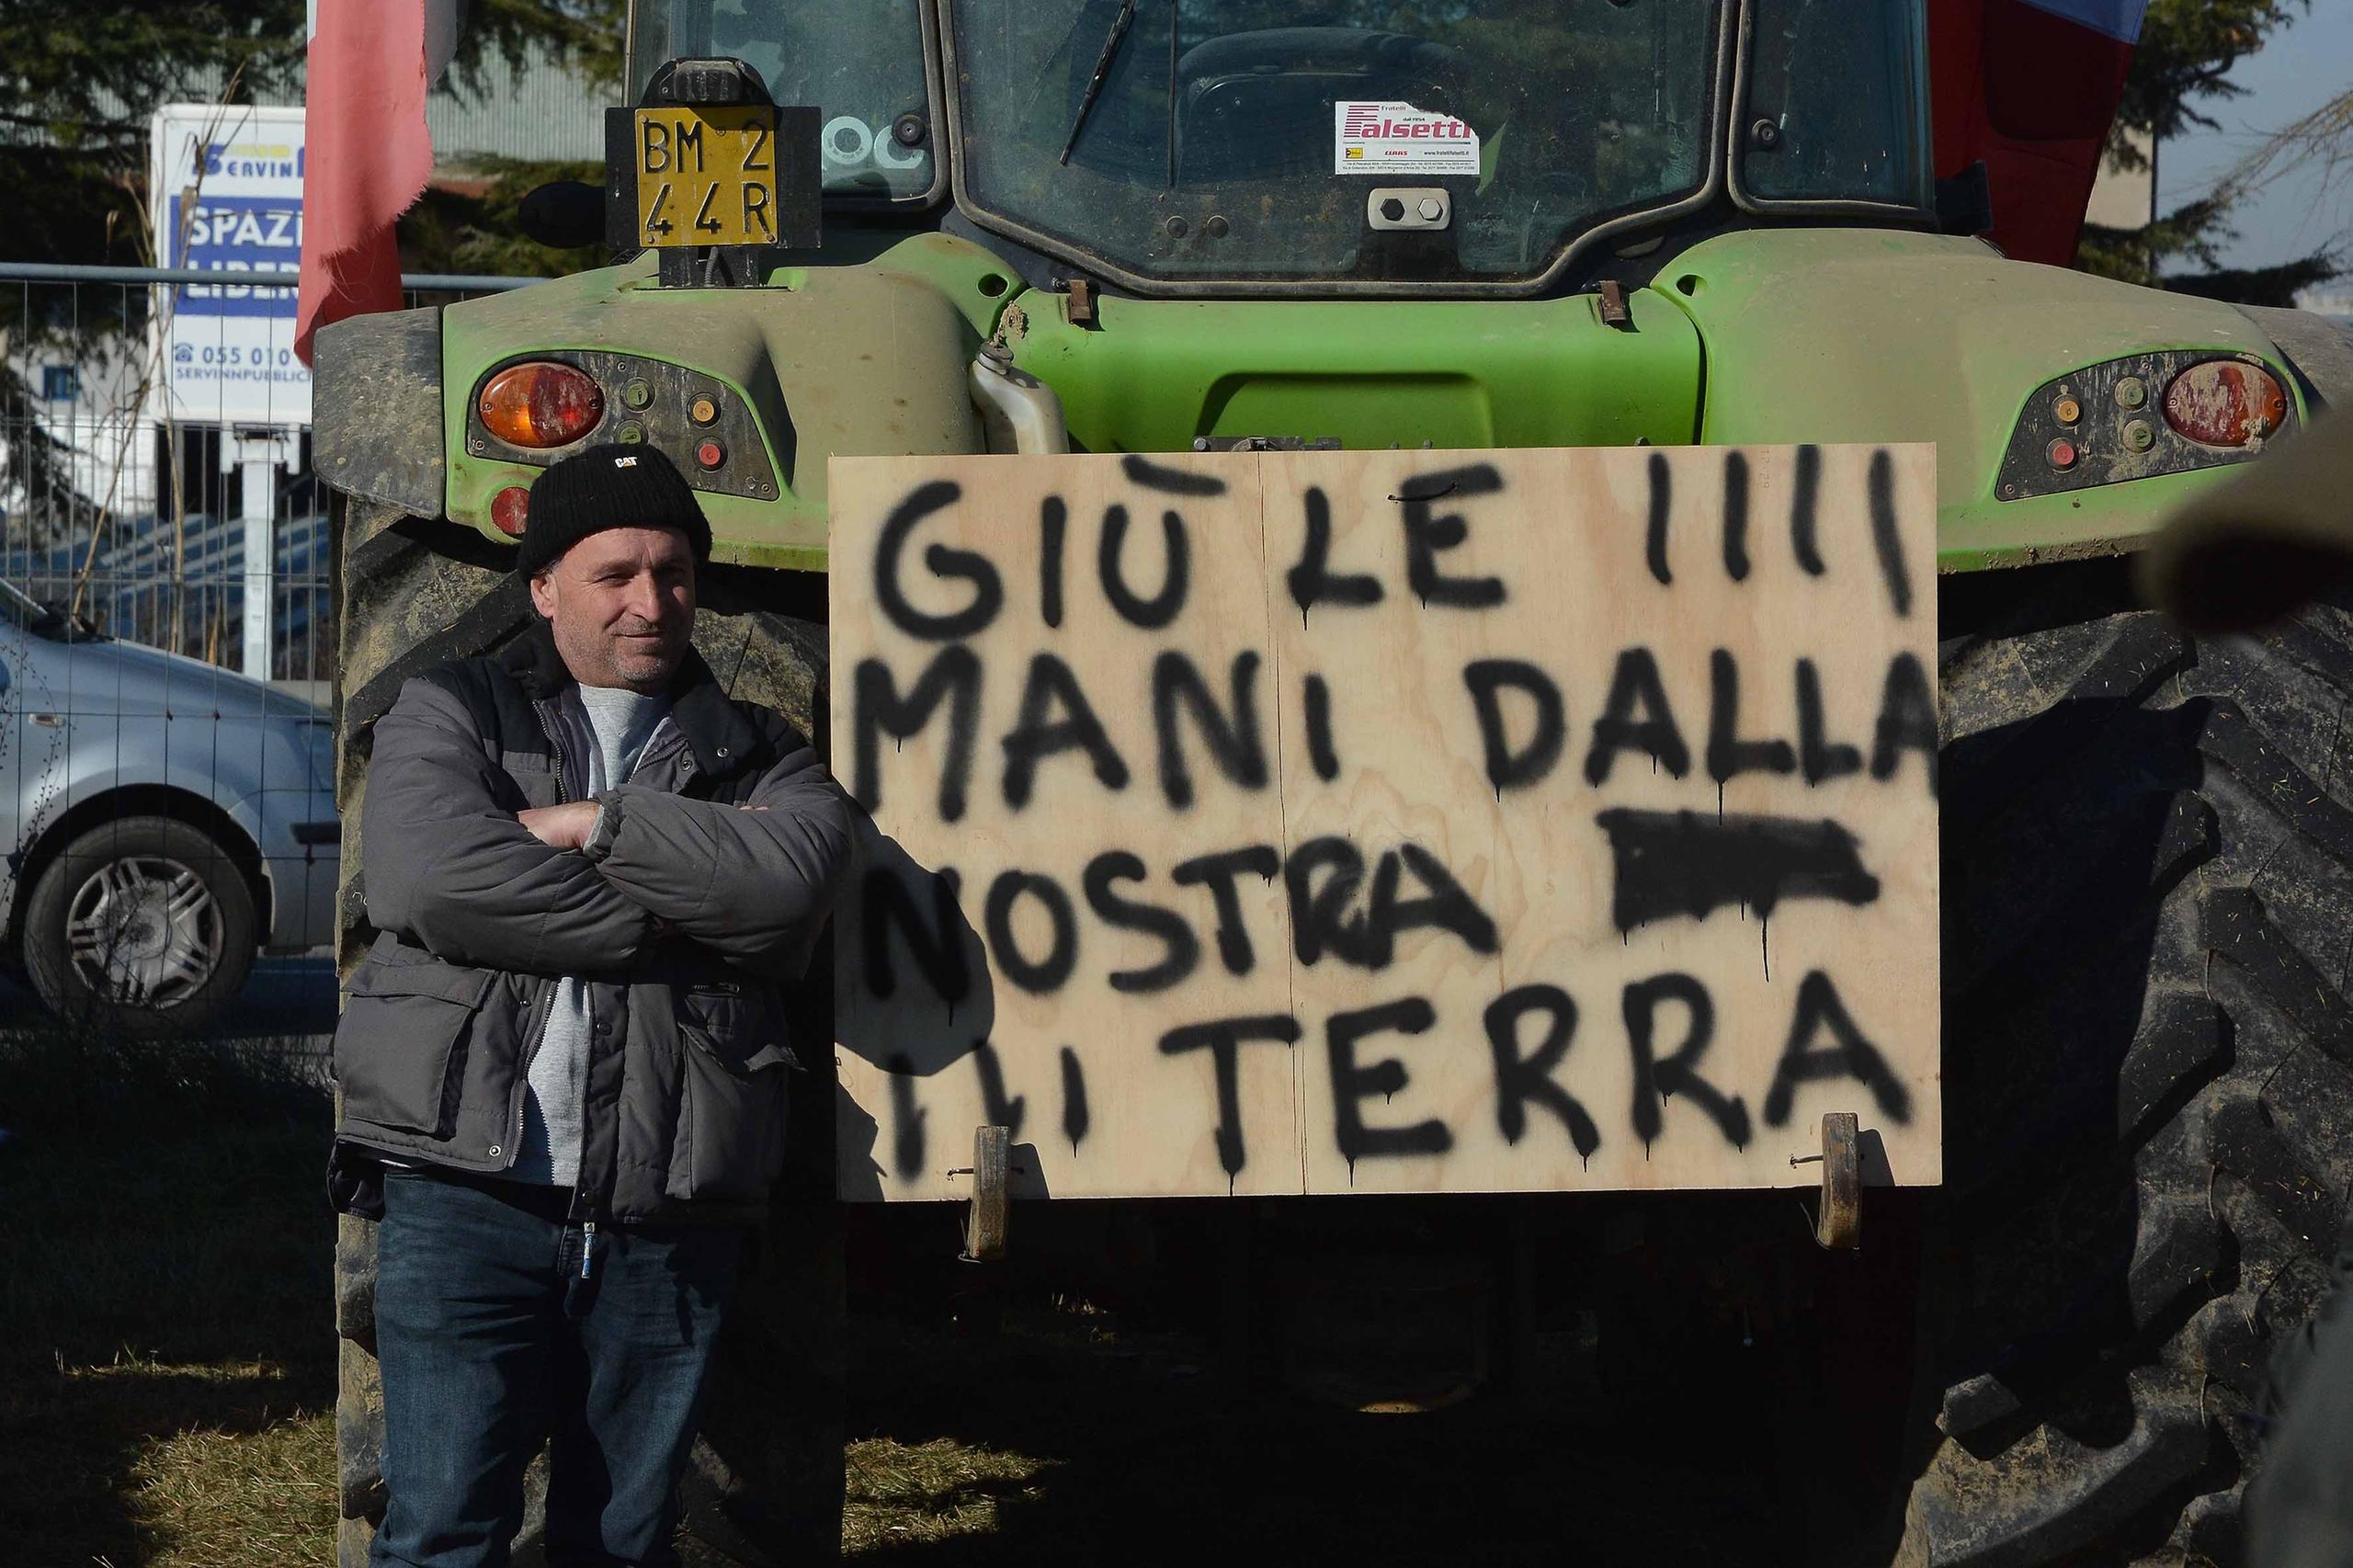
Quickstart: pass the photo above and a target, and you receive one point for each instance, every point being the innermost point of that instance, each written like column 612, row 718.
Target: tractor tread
column 2145, row 1081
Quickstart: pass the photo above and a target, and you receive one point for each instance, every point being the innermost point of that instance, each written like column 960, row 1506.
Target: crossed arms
column 477, row 885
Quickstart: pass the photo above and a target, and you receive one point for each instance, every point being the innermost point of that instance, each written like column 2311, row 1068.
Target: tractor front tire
column 2148, row 854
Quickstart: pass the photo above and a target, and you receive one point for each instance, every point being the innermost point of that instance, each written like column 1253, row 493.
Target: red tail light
column 540, row 405
column 2226, row 403
column 511, row 510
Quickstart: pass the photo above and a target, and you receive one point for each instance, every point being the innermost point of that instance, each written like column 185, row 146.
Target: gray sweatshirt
column 624, row 721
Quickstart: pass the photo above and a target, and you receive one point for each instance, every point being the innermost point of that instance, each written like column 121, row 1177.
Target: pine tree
column 79, row 83
column 2182, row 66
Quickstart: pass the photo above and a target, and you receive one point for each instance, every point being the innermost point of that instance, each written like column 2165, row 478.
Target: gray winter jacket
column 686, row 914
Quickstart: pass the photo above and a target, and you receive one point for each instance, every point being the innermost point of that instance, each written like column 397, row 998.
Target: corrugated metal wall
column 539, row 110
column 535, row 110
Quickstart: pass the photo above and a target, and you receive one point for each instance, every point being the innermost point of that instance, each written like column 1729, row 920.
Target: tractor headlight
column 541, row 404
column 2226, row 403
column 529, row 411
column 2142, row 417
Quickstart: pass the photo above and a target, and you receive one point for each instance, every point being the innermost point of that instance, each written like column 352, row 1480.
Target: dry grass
column 166, row 1355
column 209, row 1495
column 191, row 1465
column 923, row 1494
column 166, row 1360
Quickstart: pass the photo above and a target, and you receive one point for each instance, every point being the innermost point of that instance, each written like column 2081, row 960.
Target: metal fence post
column 256, row 455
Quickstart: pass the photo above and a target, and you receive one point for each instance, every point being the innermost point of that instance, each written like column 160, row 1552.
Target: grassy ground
column 166, row 1356
column 1066, row 1440
column 166, row 1385
column 166, row 1375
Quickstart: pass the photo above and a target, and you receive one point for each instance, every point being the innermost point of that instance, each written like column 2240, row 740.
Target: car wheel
column 144, row 926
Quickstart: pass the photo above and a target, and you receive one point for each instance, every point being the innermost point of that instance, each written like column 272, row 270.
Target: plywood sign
column 1387, row 822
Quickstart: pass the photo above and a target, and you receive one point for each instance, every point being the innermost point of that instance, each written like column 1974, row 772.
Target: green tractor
column 1112, row 227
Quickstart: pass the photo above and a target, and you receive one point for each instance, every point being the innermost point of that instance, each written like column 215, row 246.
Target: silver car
column 164, row 820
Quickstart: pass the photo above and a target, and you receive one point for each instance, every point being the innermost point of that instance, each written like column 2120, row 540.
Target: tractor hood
column 1158, row 375
column 1857, row 334
column 1763, row 337
column 866, row 353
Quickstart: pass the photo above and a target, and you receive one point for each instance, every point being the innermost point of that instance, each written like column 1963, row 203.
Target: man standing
column 563, row 1060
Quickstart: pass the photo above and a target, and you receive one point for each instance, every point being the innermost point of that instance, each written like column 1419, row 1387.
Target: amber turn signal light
column 511, row 510
column 540, row 405
column 2226, row 403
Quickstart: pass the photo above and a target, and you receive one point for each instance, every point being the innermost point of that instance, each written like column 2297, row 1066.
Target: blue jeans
column 494, row 1340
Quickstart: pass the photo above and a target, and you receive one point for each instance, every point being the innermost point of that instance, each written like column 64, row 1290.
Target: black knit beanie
column 607, row 488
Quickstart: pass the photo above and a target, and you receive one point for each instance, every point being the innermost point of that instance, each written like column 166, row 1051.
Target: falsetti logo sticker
column 1372, row 136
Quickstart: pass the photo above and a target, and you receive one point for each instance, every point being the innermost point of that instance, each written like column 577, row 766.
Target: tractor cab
column 1248, row 147
column 1169, row 225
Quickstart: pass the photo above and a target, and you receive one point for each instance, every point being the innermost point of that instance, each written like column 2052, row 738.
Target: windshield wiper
column 1102, row 69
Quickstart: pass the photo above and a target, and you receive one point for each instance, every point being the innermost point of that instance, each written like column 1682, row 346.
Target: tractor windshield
column 861, row 66
column 1337, row 141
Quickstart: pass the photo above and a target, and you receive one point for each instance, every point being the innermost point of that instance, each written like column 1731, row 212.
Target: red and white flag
column 2029, row 87
column 368, row 156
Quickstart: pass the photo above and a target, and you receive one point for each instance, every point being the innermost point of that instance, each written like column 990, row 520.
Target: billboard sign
column 226, row 196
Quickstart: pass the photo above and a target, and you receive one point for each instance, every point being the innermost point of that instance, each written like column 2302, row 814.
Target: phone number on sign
column 258, row 356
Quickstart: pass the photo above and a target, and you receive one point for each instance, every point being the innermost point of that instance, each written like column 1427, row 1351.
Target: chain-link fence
column 129, row 510
column 165, row 818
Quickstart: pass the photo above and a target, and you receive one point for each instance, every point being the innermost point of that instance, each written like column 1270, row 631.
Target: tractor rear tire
column 766, row 1484
column 2148, row 854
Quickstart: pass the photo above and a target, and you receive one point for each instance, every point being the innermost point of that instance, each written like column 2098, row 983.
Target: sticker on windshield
column 1396, row 138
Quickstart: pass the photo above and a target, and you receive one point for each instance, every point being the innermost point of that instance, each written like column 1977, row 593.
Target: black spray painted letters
column 1211, row 829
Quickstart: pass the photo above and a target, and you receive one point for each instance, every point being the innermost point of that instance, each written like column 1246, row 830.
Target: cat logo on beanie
column 624, row 462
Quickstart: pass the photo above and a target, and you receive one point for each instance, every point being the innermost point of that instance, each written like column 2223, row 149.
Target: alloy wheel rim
column 144, row 930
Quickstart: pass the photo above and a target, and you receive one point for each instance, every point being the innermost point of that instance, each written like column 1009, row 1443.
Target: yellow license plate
column 707, row 177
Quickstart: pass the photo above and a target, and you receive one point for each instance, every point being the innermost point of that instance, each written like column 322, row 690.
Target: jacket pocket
column 399, row 1050
column 732, row 1055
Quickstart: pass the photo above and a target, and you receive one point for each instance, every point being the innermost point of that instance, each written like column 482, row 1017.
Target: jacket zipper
column 653, row 739
column 534, row 1032
column 546, row 1005
column 538, row 1035
column 555, row 746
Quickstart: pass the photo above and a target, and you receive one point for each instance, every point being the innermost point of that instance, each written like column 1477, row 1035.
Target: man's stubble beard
column 646, row 672
column 599, row 658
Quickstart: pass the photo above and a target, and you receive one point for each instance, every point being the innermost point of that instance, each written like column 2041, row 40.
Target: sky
column 2301, row 67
